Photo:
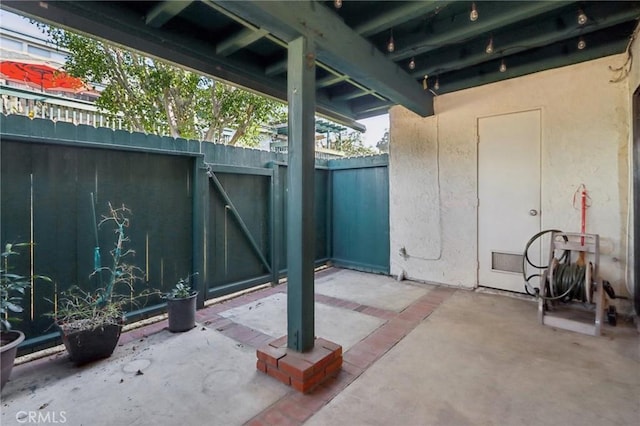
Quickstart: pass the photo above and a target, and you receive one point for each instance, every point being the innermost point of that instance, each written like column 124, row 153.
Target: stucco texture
column 434, row 167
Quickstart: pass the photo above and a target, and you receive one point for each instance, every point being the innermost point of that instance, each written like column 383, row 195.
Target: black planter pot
column 8, row 350
column 90, row 345
column 182, row 313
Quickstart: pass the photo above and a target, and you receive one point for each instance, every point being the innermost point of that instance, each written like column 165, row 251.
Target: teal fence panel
column 233, row 232
column 47, row 184
column 360, row 190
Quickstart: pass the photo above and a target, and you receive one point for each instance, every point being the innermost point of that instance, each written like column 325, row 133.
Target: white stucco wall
column 433, row 168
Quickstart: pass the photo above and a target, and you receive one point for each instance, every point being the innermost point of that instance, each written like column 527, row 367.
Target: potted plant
column 12, row 288
column 91, row 322
column 181, row 306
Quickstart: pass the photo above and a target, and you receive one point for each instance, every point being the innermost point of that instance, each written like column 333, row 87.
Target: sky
column 376, row 126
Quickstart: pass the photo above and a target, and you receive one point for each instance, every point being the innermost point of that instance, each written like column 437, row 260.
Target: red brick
column 277, row 417
column 328, row 389
column 372, row 348
column 359, row 358
column 351, row 305
column 333, row 367
column 411, row 314
column 280, row 342
column 262, row 366
column 296, row 411
column 256, row 422
column 402, row 324
column 318, row 356
column 223, row 324
column 333, row 347
column 343, row 379
column 259, row 341
column 382, row 339
column 309, row 402
column 279, row 375
column 297, row 368
column 242, row 333
column 270, row 355
column 309, row 384
column 352, row 369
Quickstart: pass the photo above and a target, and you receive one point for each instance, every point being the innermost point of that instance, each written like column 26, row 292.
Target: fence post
column 276, row 224
column 200, row 200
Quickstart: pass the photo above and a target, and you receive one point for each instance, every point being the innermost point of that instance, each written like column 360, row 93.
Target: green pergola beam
column 243, row 38
column 540, row 34
column 461, row 29
column 613, row 47
column 301, row 194
column 399, row 15
column 338, row 47
column 165, row 11
column 111, row 21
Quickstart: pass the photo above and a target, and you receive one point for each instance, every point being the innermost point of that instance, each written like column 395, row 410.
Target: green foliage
column 155, row 97
column 383, row 143
column 81, row 310
column 182, row 289
column 12, row 287
column 352, row 146
column 120, row 272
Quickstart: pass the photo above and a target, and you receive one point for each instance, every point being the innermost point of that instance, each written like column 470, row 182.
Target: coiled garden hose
column 526, row 260
column 569, row 282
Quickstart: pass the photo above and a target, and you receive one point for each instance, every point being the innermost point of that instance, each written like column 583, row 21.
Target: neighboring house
column 326, row 134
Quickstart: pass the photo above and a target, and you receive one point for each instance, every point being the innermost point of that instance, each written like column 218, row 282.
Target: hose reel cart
column 569, row 286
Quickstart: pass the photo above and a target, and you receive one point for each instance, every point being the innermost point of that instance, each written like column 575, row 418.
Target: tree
column 352, row 146
column 157, row 97
column 383, row 143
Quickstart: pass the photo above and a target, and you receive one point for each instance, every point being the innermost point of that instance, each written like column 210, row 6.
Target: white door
column 509, row 197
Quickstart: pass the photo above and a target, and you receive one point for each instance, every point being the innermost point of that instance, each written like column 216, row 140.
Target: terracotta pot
column 182, row 313
column 8, row 350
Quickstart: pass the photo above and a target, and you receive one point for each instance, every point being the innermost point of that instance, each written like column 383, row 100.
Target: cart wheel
column 612, row 316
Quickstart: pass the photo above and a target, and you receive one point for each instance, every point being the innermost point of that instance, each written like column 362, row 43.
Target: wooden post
column 300, row 201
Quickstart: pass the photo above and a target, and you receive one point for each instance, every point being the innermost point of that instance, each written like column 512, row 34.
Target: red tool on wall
column 585, row 202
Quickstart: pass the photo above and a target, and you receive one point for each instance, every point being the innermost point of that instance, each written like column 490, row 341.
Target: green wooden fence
column 214, row 209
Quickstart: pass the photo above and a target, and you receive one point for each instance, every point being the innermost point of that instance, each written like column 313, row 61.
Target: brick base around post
column 301, row 370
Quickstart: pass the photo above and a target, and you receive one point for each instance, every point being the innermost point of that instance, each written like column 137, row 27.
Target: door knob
column 533, row 212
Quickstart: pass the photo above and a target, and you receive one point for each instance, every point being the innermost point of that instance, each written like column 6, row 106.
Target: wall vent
column 506, row 262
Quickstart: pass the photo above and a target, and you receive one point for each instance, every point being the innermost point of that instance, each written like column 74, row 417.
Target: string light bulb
column 473, row 15
column 337, row 4
column 412, row 64
column 425, row 86
column 581, row 44
column 503, row 66
column 582, row 18
column 391, row 46
column 489, row 48
column 436, row 86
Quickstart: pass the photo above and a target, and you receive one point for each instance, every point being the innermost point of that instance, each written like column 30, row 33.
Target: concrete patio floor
column 414, row 354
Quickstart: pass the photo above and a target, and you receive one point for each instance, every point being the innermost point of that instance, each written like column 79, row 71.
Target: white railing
column 59, row 109
column 36, row 105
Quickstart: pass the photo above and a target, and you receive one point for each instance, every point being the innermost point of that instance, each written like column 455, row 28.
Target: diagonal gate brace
column 243, row 226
